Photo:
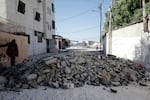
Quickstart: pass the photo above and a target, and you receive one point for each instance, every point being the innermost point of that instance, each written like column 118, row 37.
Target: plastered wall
column 22, row 43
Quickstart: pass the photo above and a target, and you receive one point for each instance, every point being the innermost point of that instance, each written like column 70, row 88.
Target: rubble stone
column 31, row 77
column 67, row 70
column 72, row 70
column 3, row 80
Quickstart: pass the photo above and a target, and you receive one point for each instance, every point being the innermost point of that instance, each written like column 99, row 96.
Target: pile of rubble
column 72, row 70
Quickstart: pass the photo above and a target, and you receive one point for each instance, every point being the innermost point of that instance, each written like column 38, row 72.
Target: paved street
column 133, row 91
column 83, row 93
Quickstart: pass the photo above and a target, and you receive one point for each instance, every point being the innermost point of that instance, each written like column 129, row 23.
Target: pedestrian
column 12, row 51
column 96, row 47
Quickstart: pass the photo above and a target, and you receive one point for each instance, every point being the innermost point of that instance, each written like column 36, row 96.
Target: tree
column 125, row 12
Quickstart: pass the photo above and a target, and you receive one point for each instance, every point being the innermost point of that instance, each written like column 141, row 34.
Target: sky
column 79, row 19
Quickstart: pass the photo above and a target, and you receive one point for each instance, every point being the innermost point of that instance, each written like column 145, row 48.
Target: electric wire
column 77, row 15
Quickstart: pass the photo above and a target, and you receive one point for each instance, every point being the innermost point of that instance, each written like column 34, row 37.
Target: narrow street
column 82, row 93
column 69, row 76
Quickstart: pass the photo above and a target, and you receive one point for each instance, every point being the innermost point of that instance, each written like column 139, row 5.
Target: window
column 28, row 39
column 53, row 9
column 39, row 35
column 39, row 39
column 53, row 24
column 21, row 7
column 37, row 16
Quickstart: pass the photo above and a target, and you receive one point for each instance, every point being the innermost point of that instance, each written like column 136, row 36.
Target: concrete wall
column 49, row 16
column 131, row 43
column 125, row 41
column 22, row 42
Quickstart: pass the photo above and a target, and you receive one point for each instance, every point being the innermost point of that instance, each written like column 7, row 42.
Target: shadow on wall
column 22, row 46
column 138, row 57
column 142, row 53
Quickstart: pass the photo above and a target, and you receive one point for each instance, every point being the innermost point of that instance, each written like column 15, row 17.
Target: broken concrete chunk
column 3, row 80
column 73, row 70
column 46, row 71
column 31, row 77
column 68, row 85
column 113, row 90
column 67, row 70
column 54, row 84
column 142, row 84
column 115, row 83
column 51, row 61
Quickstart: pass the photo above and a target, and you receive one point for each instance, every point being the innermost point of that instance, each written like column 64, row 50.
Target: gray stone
column 46, row 71
column 63, row 63
column 31, row 77
column 54, row 84
column 113, row 90
column 2, row 87
column 77, row 76
column 68, row 85
column 40, row 79
column 58, row 65
column 80, row 61
column 51, row 61
column 29, row 63
column 143, row 84
column 73, row 60
column 73, row 70
column 11, row 82
column 115, row 83
column 67, row 70
column 3, row 80
column 133, row 75
column 33, row 84
column 25, row 86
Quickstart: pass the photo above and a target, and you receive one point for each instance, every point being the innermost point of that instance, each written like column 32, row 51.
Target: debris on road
column 72, row 70
column 113, row 90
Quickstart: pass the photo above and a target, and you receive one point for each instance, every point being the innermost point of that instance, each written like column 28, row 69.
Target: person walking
column 12, row 51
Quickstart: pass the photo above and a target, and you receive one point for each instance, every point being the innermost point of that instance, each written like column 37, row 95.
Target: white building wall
column 126, row 41
column 49, row 16
column 3, row 9
column 25, row 22
column 131, row 43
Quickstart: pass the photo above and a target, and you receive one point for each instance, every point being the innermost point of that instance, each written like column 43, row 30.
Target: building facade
column 34, row 18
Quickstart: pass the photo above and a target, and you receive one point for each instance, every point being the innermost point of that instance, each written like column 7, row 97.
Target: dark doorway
column 47, row 45
column 59, row 44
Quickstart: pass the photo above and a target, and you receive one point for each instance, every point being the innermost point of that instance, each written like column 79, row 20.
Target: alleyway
column 75, row 74
column 83, row 93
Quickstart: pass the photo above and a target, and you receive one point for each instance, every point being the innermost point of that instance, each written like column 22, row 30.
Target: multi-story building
column 34, row 18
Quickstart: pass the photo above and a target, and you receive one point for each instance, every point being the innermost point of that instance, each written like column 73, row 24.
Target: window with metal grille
column 21, row 7
column 39, row 35
column 53, row 9
column 37, row 16
column 53, row 24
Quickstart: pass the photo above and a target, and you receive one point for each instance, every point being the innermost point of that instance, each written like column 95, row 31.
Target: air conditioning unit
column 39, row 1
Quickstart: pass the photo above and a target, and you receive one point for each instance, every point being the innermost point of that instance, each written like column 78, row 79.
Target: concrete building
column 35, row 18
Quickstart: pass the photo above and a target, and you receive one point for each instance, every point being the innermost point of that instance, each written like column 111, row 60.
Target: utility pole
column 100, row 42
column 110, row 30
column 145, row 20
